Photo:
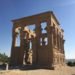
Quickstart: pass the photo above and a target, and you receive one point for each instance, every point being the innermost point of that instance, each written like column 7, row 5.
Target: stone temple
column 38, row 40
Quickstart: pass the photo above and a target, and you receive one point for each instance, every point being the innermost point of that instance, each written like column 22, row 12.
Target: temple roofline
column 37, row 15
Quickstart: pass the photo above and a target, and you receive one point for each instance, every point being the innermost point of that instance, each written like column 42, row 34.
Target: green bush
column 73, row 63
column 4, row 58
column 70, row 63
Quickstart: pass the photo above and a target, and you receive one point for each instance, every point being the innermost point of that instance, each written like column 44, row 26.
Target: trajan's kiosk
column 41, row 41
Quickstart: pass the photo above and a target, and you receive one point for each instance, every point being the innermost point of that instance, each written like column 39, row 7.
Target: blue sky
column 12, row 9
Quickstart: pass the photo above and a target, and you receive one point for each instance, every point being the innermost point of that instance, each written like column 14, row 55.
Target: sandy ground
column 62, row 71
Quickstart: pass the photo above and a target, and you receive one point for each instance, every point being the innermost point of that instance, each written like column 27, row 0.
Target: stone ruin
column 41, row 41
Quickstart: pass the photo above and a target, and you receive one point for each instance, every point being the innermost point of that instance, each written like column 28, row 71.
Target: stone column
column 21, row 46
column 43, row 42
column 36, row 43
column 49, row 29
column 34, row 51
column 38, row 32
column 63, row 45
column 54, row 36
column 13, row 46
column 58, row 40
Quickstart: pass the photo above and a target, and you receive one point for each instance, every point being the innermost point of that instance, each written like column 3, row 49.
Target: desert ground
column 61, row 71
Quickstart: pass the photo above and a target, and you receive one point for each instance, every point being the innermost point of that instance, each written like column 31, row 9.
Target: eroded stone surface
column 46, row 39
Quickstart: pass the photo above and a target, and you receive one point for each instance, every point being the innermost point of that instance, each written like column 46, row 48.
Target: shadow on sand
column 30, row 67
